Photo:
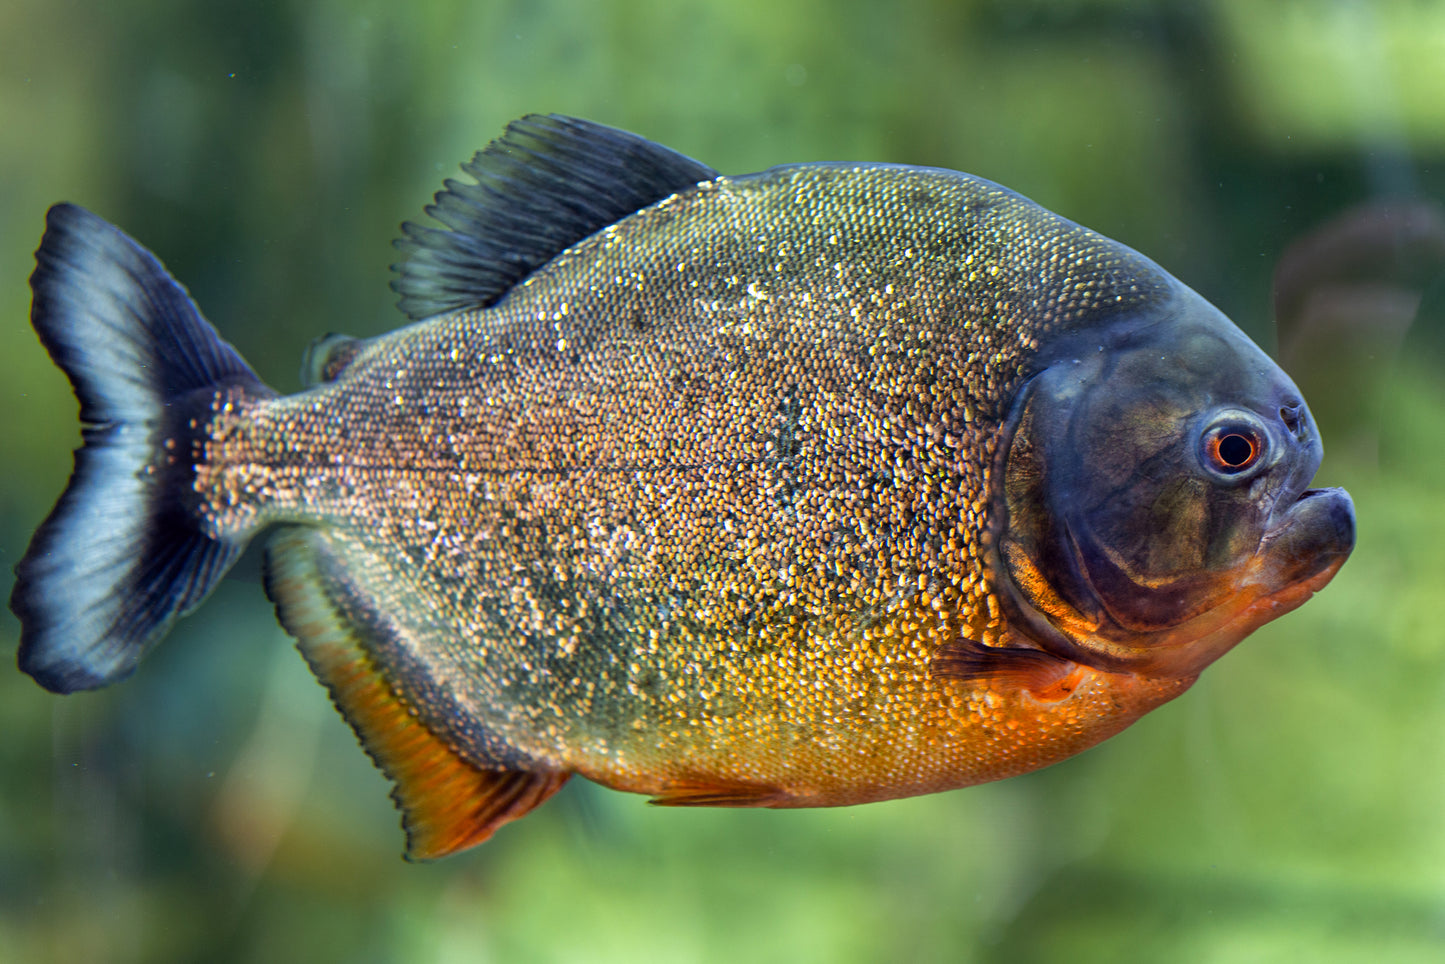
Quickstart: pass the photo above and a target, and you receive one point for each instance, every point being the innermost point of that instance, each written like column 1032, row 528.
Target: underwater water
column 1285, row 160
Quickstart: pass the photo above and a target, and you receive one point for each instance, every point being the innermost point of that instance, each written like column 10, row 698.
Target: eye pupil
column 1235, row 451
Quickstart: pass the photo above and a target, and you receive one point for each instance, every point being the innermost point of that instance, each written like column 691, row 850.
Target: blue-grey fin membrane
column 548, row 182
column 121, row 555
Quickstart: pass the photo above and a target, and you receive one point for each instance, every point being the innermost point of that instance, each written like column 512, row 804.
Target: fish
column 828, row 484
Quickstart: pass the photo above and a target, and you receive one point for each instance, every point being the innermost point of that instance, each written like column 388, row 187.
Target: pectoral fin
column 448, row 803
column 1048, row 677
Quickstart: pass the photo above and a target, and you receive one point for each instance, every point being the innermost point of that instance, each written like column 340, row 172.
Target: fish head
column 1154, row 494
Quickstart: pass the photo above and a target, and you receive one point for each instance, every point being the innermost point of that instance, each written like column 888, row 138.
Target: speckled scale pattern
column 697, row 502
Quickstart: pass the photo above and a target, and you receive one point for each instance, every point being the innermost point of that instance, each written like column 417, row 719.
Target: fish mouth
column 1298, row 556
column 1310, row 534
column 1316, row 533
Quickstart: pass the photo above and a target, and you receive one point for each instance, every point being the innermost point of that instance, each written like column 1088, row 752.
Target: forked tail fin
column 123, row 554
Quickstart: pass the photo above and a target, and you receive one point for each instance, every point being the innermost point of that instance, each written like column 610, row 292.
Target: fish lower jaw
column 1296, row 559
column 1189, row 648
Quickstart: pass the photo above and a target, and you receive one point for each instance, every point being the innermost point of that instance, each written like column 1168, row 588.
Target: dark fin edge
column 447, row 803
column 1048, row 677
column 120, row 557
column 548, row 182
column 715, row 793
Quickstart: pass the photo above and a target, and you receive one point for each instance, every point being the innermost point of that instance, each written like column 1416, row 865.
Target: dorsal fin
column 548, row 182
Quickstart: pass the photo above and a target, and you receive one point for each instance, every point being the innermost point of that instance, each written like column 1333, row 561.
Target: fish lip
column 1333, row 499
column 1315, row 530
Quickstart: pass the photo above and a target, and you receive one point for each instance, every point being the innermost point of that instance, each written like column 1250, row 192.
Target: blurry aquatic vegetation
column 1346, row 296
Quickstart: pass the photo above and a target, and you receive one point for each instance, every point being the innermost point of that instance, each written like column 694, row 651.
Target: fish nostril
column 1293, row 417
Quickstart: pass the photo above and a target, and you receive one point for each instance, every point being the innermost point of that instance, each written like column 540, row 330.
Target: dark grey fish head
column 1155, row 506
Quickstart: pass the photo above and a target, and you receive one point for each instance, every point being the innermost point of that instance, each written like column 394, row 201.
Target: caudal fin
column 122, row 555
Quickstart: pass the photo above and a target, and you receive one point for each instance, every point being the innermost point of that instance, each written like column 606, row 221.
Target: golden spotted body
column 711, row 506
column 700, row 500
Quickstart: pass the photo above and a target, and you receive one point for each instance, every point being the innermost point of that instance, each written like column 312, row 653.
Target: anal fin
column 1048, row 677
column 448, row 803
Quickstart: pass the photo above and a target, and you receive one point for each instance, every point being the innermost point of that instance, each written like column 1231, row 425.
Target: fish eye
column 1232, row 447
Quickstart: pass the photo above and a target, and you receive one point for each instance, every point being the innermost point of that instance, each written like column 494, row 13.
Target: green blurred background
column 1290, row 807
